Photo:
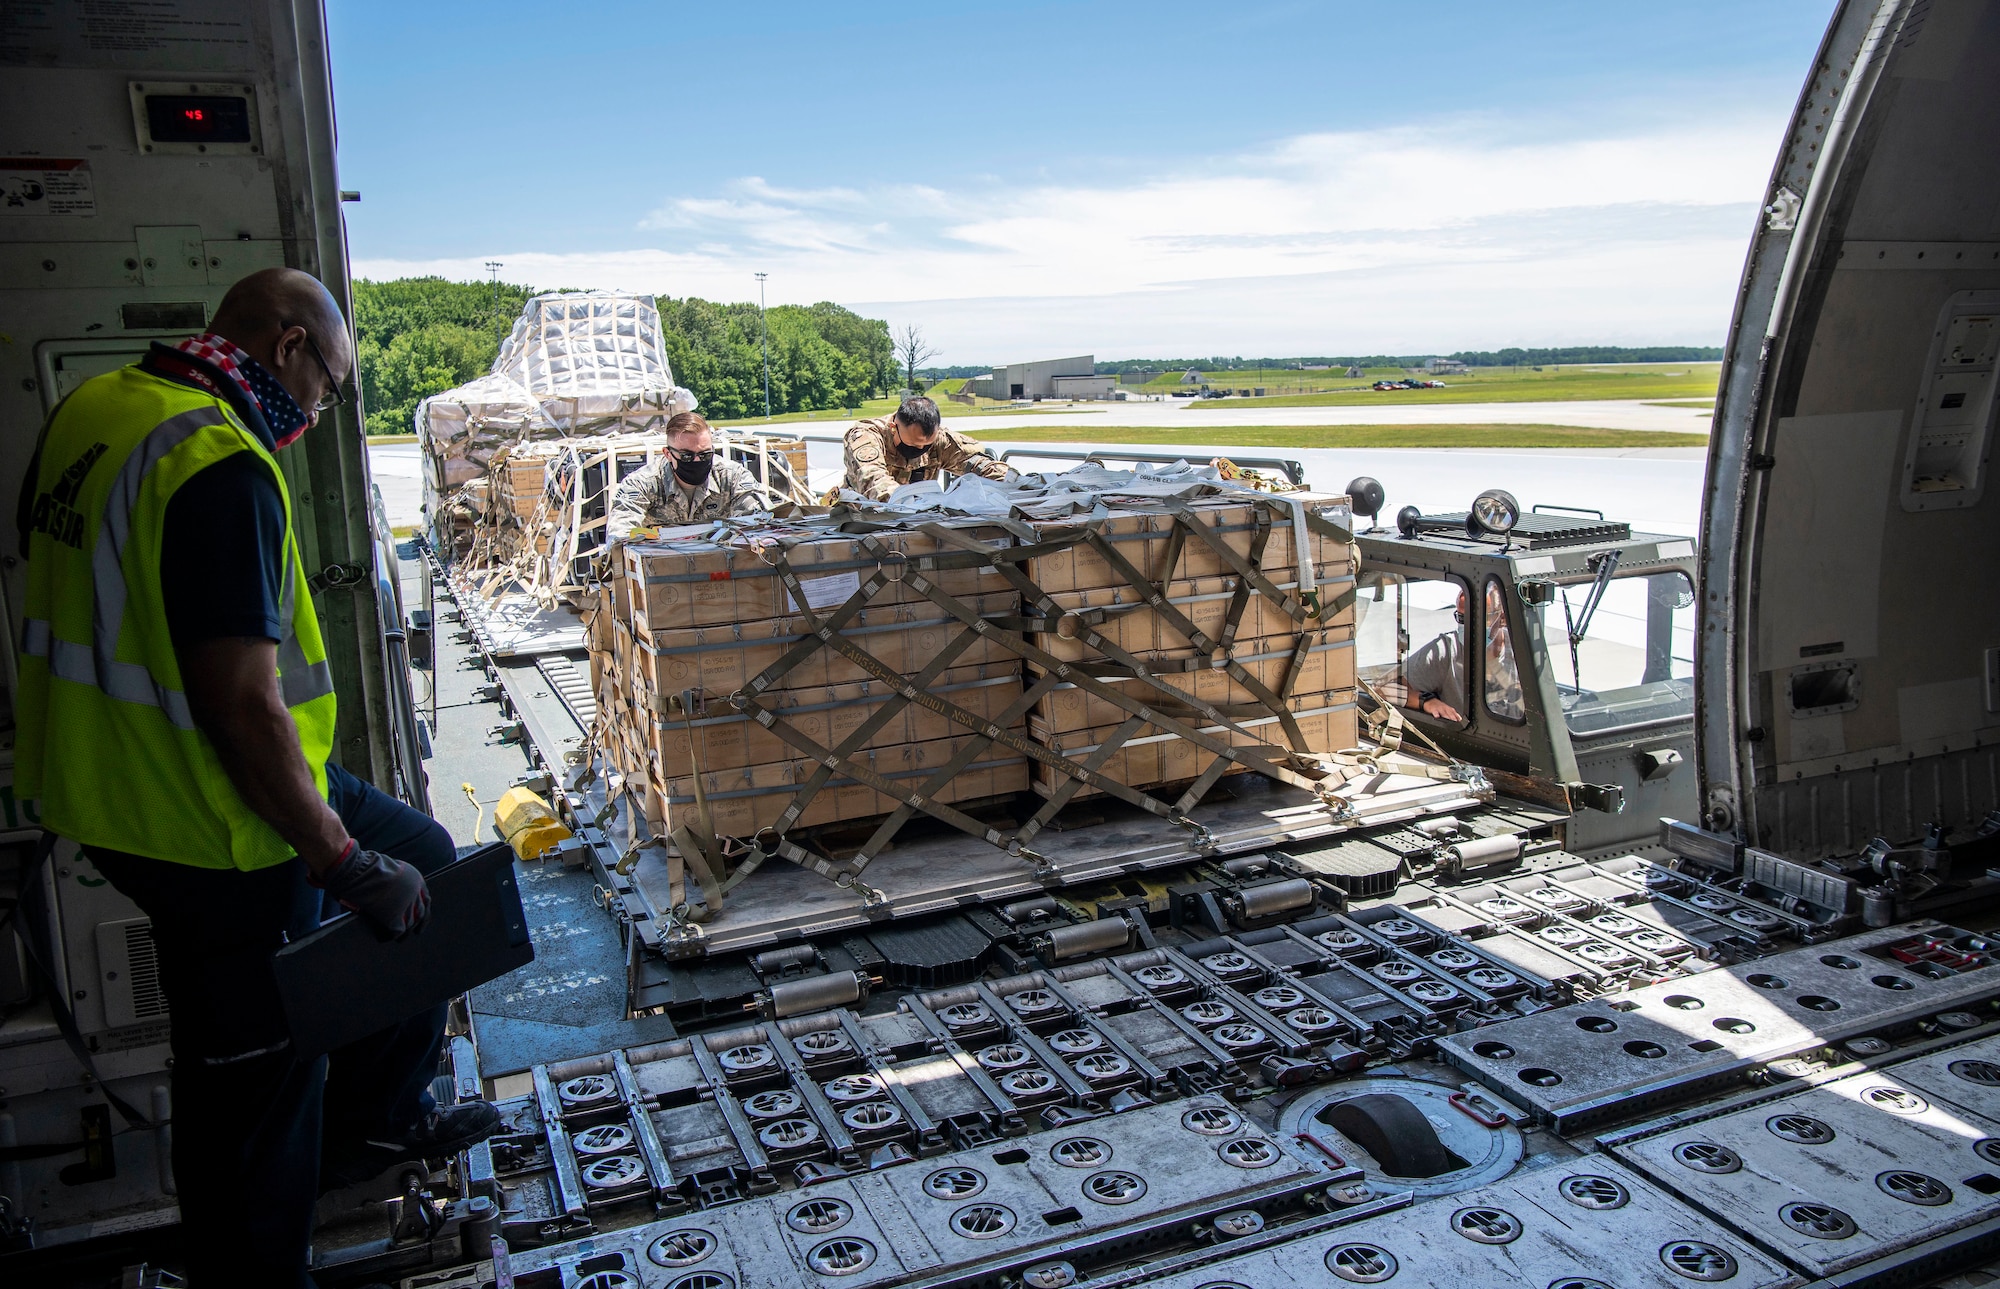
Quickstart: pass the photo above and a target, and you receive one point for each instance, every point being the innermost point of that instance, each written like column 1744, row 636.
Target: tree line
column 1470, row 357
column 420, row 336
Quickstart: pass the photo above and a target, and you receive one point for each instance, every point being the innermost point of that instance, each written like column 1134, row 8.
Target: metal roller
column 1275, row 897
column 1074, row 941
column 774, row 961
column 816, row 993
column 1487, row 850
column 1031, row 910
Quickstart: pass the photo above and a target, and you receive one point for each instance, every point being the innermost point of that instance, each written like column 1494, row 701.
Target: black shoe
column 445, row 1131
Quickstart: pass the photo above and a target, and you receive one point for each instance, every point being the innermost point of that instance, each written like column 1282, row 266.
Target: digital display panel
column 198, row 118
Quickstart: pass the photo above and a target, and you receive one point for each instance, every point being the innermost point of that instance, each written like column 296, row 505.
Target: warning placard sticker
column 46, row 186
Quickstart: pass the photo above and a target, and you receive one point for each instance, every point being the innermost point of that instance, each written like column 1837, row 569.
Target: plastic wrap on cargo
column 583, row 363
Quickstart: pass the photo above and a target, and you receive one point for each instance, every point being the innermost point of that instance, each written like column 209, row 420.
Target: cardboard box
column 742, row 802
column 1329, row 722
column 718, row 661
column 681, row 584
column 1129, row 622
column 1142, row 537
column 726, row 739
column 1328, row 666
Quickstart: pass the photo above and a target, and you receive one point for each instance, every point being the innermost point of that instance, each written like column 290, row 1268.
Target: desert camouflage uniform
column 875, row 468
column 653, row 498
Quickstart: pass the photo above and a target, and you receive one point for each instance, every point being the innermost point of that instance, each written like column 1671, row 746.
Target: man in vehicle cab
column 176, row 721
column 1435, row 675
column 911, row 446
column 691, row 484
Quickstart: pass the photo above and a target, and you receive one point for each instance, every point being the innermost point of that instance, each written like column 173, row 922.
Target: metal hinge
column 1607, row 797
column 336, row 575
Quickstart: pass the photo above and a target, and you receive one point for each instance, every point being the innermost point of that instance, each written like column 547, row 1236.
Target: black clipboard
column 344, row 982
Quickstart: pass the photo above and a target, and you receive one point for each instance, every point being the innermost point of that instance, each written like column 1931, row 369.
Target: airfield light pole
column 493, row 268
column 764, row 339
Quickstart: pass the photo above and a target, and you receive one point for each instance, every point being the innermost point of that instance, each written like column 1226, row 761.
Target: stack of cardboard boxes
column 709, row 661
column 692, row 622
column 1308, row 660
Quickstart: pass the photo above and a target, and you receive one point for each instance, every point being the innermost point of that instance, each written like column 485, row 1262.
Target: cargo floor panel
column 1583, row 1223
column 1619, row 1055
column 965, row 1217
column 1838, row 1176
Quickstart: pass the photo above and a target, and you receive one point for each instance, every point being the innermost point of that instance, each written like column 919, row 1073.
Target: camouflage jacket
column 876, row 468
column 653, row 498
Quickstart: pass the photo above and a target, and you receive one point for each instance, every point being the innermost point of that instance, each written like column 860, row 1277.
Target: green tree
column 415, row 337
column 420, row 336
column 413, row 366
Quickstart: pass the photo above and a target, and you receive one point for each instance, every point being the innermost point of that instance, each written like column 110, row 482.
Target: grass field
column 1357, row 436
column 1504, row 385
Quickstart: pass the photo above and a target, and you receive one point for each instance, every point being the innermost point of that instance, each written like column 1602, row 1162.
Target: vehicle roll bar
column 1291, row 469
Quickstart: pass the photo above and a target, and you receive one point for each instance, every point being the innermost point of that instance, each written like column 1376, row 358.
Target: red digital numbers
column 192, row 114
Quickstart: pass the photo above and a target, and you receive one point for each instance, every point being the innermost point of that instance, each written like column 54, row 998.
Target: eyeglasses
column 333, row 397
column 692, row 455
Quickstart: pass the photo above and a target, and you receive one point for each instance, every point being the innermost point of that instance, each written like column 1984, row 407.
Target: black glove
column 386, row 891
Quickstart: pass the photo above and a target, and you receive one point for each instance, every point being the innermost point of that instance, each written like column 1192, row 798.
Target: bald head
column 288, row 321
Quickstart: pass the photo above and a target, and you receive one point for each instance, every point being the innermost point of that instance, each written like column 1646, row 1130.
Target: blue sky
column 1125, row 179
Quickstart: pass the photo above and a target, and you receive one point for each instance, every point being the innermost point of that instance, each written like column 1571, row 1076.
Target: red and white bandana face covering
column 281, row 411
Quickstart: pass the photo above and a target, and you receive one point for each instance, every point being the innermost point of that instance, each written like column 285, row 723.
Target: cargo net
column 520, row 463
column 1134, row 635
column 575, row 365
column 540, row 516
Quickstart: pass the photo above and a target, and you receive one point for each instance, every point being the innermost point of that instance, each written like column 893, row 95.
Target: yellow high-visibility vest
column 106, row 745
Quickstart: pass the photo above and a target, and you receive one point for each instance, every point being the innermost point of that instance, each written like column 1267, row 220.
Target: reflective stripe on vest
column 96, row 651
column 128, row 682
column 298, row 680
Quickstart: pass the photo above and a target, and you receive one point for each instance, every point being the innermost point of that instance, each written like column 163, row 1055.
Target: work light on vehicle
column 1495, row 511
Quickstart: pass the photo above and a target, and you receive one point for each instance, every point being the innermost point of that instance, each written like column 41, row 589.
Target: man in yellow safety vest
column 176, row 720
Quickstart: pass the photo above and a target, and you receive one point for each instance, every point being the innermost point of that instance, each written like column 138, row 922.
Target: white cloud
column 1410, row 239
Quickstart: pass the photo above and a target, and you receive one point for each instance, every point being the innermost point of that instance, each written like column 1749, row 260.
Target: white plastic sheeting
column 585, row 363
column 588, row 344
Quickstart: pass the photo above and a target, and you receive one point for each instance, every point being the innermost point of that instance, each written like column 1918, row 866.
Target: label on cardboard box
column 832, row 591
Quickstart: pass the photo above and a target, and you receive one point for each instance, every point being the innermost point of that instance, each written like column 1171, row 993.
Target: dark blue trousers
column 249, row 1114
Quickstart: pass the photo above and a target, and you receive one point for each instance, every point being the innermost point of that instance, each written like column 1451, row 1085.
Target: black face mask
column 693, row 473
column 910, row 453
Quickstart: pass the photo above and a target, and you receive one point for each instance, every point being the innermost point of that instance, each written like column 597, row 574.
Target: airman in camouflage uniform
column 684, row 486
column 910, row 447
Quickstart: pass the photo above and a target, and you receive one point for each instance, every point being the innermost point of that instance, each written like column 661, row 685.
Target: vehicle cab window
column 1501, row 677
column 1410, row 643
column 1629, row 654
